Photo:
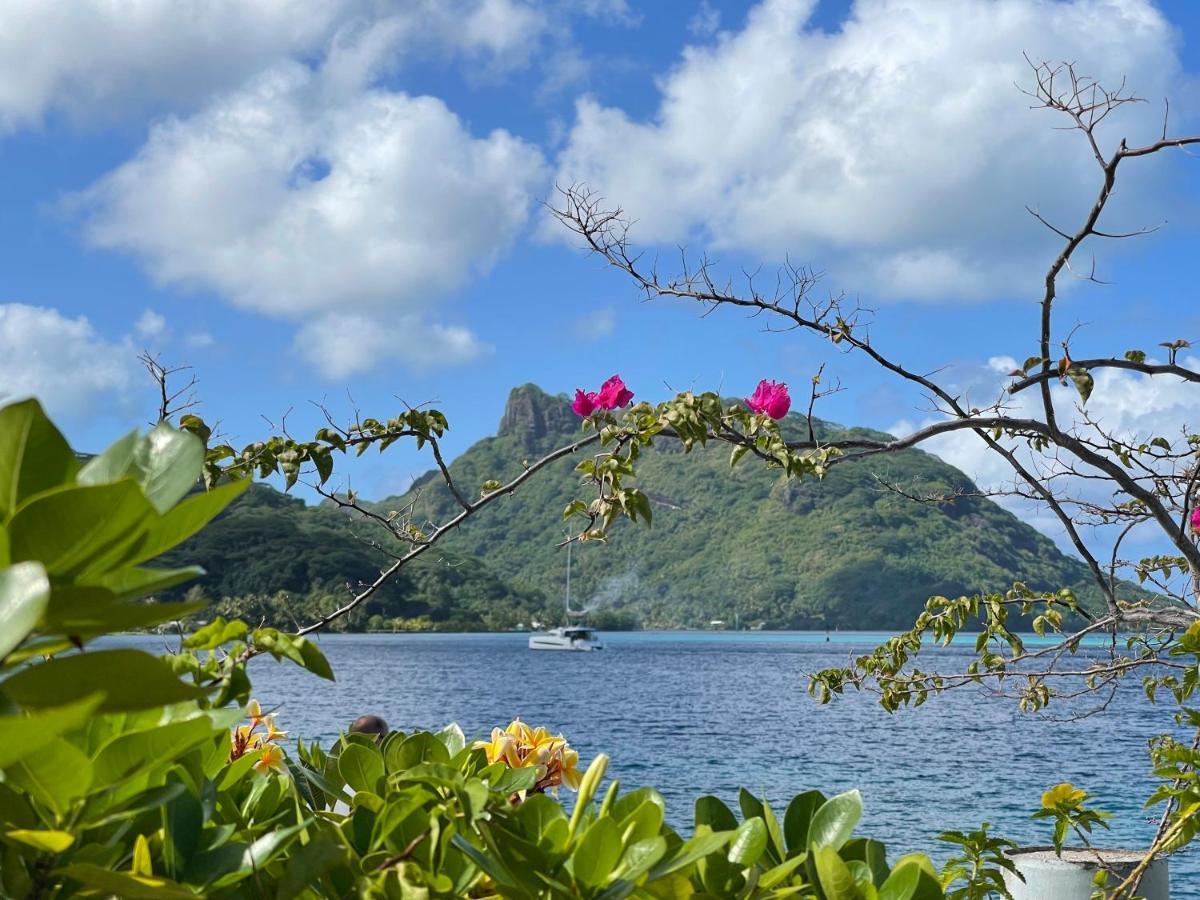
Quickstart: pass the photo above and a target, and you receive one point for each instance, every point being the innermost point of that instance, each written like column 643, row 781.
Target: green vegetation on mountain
column 272, row 558
column 844, row 552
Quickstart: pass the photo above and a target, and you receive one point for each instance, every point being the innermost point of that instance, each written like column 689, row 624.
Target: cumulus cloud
column 341, row 345
column 894, row 152
column 92, row 57
column 150, row 325
column 63, row 362
column 307, row 196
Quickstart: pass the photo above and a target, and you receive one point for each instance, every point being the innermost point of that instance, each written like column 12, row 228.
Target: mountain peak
column 531, row 414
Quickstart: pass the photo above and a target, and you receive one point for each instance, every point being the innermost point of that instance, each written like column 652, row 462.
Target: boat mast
column 568, row 583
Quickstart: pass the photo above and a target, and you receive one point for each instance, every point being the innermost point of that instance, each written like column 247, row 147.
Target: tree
column 1085, row 473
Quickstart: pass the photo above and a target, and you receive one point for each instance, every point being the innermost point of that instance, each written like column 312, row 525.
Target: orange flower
column 272, row 759
column 519, row 746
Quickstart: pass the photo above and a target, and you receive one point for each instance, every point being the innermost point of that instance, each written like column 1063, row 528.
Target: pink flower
column 613, row 394
column 770, row 398
column 585, row 403
column 1196, row 519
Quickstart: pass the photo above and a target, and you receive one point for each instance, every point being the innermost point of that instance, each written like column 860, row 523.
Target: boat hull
column 553, row 642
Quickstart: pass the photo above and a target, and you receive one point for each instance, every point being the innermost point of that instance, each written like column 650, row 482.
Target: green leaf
column 125, row 884
column 129, row 679
column 95, row 611
column 597, row 854
column 44, row 841
column 776, row 874
column 72, row 529
column 1083, row 382
column 261, row 852
column 835, row 877
column 34, row 456
column 134, row 583
column 361, row 767
column 798, row 818
column 183, row 822
column 414, row 750
column 166, row 463
column 141, row 752
column 184, row 520
column 304, row 870
column 902, row 883
column 834, row 822
column 640, row 856
column 691, row 851
column 57, row 775
column 711, row 811
column 25, row 734
column 24, row 596
column 314, row 659
column 454, row 739
column 216, row 633
column 749, row 842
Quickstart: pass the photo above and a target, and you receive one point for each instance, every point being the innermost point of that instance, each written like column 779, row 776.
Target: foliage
column 270, row 557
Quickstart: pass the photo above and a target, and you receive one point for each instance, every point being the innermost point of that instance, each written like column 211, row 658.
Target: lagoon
column 709, row 712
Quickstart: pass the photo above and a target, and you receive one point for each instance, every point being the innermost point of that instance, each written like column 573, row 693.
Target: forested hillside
column 744, row 544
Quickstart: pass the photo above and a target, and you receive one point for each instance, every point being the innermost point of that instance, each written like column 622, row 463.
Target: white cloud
column 92, row 58
column 305, row 194
column 63, row 362
column 597, row 324
column 1131, row 406
column 895, row 152
column 706, row 22
column 150, row 325
column 341, row 345
column 199, row 340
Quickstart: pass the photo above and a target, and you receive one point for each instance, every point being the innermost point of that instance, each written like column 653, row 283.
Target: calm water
column 694, row 713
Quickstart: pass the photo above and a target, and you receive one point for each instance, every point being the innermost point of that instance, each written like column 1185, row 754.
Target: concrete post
column 1069, row 877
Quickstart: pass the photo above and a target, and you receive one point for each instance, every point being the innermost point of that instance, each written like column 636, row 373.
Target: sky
column 342, row 202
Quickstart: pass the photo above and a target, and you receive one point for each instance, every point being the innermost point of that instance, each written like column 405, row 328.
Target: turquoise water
column 709, row 712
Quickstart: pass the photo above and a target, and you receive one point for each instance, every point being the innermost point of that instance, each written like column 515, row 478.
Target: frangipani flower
column 245, row 738
column 770, row 398
column 272, row 759
column 273, row 733
column 518, row 746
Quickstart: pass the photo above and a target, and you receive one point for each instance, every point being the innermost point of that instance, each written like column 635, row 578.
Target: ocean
column 695, row 713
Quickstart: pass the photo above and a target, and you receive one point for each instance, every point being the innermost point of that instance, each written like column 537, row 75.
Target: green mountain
column 842, row 552
column 272, row 557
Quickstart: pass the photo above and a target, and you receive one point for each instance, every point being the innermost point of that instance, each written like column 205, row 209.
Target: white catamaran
column 571, row 637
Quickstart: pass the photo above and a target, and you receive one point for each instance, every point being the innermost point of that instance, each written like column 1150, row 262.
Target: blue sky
column 310, row 200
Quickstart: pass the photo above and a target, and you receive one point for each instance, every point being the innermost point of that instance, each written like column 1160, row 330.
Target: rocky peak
column 531, row 414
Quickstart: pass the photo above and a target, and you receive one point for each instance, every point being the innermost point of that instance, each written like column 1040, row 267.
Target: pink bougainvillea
column 612, row 395
column 585, row 402
column 770, row 398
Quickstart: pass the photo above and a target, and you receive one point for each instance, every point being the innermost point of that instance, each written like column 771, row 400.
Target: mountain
column 270, row 556
column 842, row 552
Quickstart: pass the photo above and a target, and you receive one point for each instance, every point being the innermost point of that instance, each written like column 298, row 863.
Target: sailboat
column 569, row 637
